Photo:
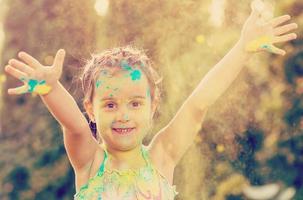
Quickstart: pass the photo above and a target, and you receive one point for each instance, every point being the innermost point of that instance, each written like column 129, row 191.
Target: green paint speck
column 148, row 93
column 265, row 46
column 136, row 75
column 125, row 65
column 98, row 83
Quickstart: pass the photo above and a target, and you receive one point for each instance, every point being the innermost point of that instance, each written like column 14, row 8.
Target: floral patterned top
column 145, row 183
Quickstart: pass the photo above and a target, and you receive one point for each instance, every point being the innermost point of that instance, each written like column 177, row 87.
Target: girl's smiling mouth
column 123, row 131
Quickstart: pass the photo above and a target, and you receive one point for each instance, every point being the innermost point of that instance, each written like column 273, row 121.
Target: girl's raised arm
column 44, row 80
column 173, row 140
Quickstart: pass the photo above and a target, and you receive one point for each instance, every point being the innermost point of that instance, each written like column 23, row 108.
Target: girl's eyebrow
column 132, row 97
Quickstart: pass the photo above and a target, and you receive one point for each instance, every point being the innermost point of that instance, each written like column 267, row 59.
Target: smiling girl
column 121, row 95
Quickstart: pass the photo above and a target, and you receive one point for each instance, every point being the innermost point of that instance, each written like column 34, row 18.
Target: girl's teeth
column 123, row 130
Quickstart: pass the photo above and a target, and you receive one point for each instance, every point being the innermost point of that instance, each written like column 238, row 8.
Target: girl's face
column 122, row 107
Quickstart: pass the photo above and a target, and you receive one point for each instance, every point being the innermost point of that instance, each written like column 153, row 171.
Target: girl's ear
column 89, row 110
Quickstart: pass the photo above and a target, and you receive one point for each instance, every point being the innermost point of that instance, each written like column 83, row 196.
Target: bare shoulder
column 90, row 170
column 161, row 160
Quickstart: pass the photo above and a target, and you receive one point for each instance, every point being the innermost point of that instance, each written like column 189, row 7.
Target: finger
column 285, row 38
column 18, row 90
column 256, row 7
column 284, row 29
column 16, row 73
column 59, row 59
column 273, row 49
column 254, row 15
column 21, row 66
column 31, row 61
column 279, row 20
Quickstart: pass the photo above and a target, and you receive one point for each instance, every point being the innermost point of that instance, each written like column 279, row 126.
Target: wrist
column 241, row 45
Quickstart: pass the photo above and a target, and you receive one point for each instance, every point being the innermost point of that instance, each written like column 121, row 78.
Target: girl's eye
column 136, row 104
column 110, row 105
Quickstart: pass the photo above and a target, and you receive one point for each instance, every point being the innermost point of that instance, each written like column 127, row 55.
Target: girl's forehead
column 121, row 82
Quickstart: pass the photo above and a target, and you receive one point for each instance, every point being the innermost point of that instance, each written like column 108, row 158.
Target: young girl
column 121, row 96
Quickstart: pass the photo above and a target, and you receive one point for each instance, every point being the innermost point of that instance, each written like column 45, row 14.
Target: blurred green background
column 251, row 142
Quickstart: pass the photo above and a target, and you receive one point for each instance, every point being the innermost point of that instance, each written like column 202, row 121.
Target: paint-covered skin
column 148, row 93
column 35, row 86
column 135, row 74
column 36, row 78
column 262, row 31
column 132, row 72
column 145, row 183
column 260, row 43
column 39, row 87
column 98, row 83
column 122, row 100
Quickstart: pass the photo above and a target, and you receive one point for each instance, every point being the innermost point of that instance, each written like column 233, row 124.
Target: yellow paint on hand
column 42, row 89
column 257, row 44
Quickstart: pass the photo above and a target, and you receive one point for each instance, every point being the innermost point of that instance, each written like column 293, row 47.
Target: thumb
column 257, row 7
column 59, row 59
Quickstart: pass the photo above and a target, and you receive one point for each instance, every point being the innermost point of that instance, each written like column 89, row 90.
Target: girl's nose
column 123, row 117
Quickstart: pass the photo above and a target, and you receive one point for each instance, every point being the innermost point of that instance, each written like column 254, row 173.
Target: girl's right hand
column 36, row 77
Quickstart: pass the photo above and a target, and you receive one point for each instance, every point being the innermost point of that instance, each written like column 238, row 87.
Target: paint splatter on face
column 133, row 73
column 148, row 93
column 98, row 83
column 136, row 75
column 125, row 65
column 122, row 102
column 125, row 117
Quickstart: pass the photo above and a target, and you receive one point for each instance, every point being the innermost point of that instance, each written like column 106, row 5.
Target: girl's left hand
column 257, row 36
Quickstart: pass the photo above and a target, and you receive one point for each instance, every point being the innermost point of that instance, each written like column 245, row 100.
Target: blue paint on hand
column 32, row 84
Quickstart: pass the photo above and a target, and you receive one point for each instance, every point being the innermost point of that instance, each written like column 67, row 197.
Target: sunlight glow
column 101, row 7
column 217, row 12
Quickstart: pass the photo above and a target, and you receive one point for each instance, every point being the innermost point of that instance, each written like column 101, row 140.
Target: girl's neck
column 121, row 160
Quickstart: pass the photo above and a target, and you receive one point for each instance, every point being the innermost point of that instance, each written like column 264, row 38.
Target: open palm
column 260, row 35
column 36, row 77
